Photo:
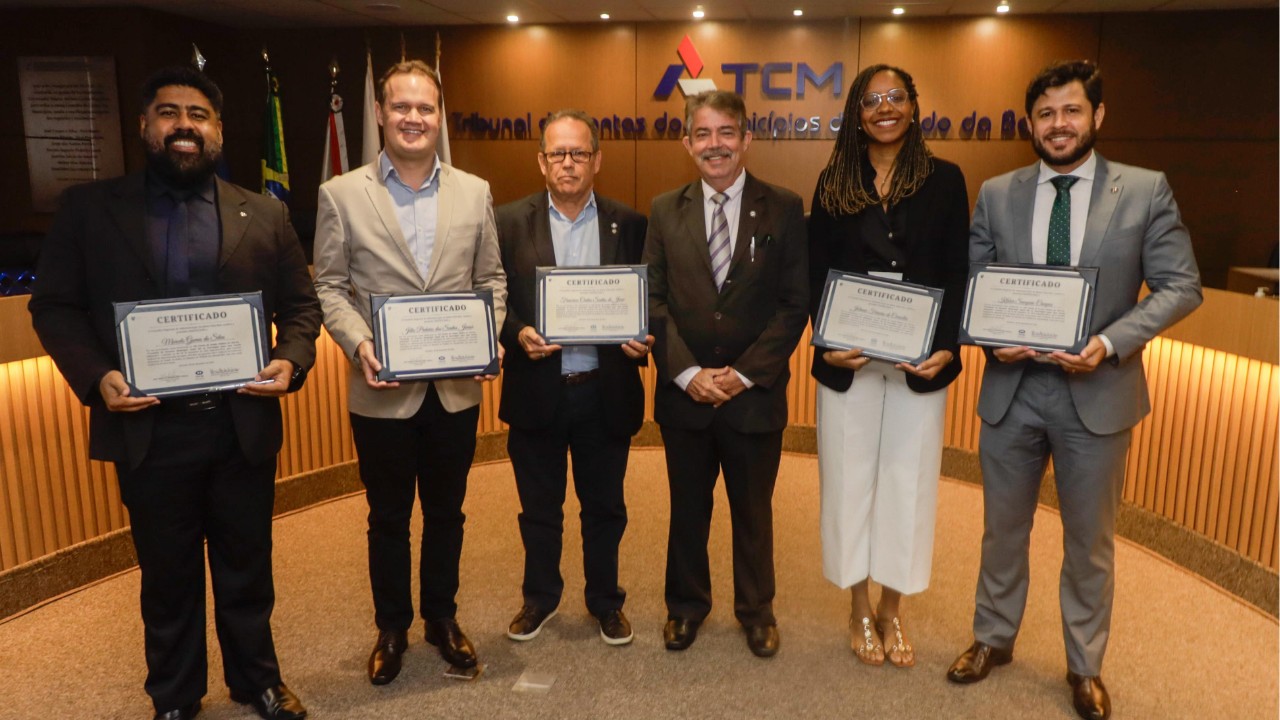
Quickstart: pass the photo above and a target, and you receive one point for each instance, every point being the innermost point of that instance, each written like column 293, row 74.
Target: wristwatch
column 298, row 377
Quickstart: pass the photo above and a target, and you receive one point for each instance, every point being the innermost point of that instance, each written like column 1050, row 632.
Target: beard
column 1069, row 157
column 183, row 170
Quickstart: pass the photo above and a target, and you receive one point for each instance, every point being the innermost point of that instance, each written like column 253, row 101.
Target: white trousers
column 879, row 455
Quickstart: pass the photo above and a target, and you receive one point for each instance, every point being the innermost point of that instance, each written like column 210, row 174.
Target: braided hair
column 841, row 191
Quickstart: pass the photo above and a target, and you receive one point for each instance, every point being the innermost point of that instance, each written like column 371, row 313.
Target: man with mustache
column 192, row 468
column 587, row 399
column 1072, row 208
column 407, row 223
column 728, row 301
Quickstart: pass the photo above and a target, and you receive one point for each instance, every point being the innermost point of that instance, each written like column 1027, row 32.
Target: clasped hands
column 715, row 386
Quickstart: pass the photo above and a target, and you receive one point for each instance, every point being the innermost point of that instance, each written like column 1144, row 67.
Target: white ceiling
column 362, row 13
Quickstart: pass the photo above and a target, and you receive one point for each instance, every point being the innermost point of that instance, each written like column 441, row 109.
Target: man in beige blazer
column 408, row 223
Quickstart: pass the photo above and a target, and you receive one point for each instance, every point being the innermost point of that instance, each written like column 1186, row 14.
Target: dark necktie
column 177, row 267
column 718, row 244
column 1058, row 251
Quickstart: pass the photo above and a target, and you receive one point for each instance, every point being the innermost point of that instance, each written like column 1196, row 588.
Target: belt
column 193, row 403
column 580, row 378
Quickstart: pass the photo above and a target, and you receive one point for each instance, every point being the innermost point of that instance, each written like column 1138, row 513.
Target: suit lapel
column 608, row 233
column 540, row 230
column 445, row 195
column 695, row 224
column 129, row 214
column 1102, row 205
column 234, row 217
column 751, row 211
column 1022, row 204
column 380, row 198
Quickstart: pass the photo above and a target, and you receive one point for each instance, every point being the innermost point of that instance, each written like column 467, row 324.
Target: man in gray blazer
column 404, row 224
column 1072, row 208
column 728, row 300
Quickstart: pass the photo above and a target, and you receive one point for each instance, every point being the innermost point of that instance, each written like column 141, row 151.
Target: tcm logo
column 775, row 81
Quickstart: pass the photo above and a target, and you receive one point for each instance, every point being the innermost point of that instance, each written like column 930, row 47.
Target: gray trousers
column 1089, row 470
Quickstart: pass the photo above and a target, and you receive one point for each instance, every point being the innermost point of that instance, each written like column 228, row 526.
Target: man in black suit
column 727, row 258
column 585, row 399
column 191, row 468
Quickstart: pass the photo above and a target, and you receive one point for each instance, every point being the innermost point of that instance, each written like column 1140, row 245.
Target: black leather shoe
column 384, row 662
column 274, row 703
column 1089, row 696
column 680, row 633
column 453, row 645
column 975, row 664
column 182, row 713
column 528, row 623
column 615, row 629
column 763, row 640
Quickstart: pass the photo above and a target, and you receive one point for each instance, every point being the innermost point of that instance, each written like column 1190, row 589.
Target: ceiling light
column 1002, row 7
column 797, row 12
column 382, row 4
column 698, row 14
column 513, row 18
column 604, row 16
column 899, row 11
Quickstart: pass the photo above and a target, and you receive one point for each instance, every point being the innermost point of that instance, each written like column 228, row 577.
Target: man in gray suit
column 1072, row 208
column 405, row 224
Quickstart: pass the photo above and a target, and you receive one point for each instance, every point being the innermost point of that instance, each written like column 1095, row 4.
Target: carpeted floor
column 1180, row 649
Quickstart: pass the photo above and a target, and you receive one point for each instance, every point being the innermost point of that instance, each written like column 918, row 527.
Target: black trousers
column 429, row 453
column 750, row 464
column 195, row 485
column 599, row 465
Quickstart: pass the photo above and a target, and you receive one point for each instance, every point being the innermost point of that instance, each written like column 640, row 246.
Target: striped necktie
column 1058, row 251
column 718, row 244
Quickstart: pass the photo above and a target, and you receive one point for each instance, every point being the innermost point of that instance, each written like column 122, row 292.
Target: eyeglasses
column 578, row 156
column 897, row 97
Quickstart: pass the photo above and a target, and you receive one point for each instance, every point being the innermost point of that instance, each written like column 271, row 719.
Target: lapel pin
column 613, row 228
column 752, row 213
column 245, row 214
column 1114, row 189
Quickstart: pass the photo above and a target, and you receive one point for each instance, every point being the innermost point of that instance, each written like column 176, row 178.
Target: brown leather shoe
column 452, row 643
column 1089, row 696
column 763, row 640
column 274, row 703
column 975, row 664
column 384, row 662
column 680, row 633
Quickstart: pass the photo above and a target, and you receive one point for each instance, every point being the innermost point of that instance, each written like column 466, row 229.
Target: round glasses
column 897, row 97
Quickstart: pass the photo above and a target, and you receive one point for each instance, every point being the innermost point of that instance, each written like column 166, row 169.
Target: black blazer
column 934, row 252
column 531, row 389
column 753, row 325
column 96, row 253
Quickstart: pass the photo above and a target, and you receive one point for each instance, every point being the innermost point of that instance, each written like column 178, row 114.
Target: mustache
column 713, row 154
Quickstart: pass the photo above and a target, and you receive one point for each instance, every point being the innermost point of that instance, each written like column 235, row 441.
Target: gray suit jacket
column 360, row 250
column 1134, row 235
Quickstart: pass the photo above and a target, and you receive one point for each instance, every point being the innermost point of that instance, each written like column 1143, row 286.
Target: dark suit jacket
column 934, row 252
column 96, row 253
column 531, row 389
column 752, row 325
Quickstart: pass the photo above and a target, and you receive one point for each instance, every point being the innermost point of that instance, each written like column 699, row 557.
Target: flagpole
column 442, row 147
column 371, row 143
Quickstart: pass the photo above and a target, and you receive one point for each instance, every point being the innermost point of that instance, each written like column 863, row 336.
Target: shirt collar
column 386, row 170
column 1084, row 172
column 591, row 204
column 732, row 191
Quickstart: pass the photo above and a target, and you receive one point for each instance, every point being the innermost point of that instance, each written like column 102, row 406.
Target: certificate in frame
column 186, row 346
column 1043, row 307
column 432, row 336
column 886, row 319
column 597, row 305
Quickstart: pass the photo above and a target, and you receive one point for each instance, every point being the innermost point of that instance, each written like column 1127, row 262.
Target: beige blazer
column 360, row 250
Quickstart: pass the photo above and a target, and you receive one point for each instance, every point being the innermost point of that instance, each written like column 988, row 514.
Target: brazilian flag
column 275, row 167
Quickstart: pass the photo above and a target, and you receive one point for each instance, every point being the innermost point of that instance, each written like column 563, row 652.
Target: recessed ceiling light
column 698, row 14
column 1002, row 7
column 899, row 11
column 604, row 16
column 797, row 12
column 513, row 18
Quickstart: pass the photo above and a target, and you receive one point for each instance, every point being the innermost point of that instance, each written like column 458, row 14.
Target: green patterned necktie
column 1058, row 251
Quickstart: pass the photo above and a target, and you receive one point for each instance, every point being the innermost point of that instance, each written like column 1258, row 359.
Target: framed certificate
column 435, row 335
column 1043, row 307
column 191, row 345
column 601, row 305
column 886, row 319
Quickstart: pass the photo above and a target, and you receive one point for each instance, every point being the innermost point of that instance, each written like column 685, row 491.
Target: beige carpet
column 1180, row 648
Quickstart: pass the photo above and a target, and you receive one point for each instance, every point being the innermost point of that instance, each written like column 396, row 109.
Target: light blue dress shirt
column 416, row 210
column 577, row 244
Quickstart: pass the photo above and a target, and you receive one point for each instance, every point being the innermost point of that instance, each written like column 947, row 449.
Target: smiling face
column 886, row 122
column 1064, row 126
column 410, row 118
column 182, row 134
column 568, row 181
column 718, row 146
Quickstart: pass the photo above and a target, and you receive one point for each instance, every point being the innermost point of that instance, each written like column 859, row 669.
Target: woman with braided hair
column 885, row 206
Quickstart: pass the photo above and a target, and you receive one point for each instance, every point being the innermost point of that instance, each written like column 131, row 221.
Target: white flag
column 372, row 139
